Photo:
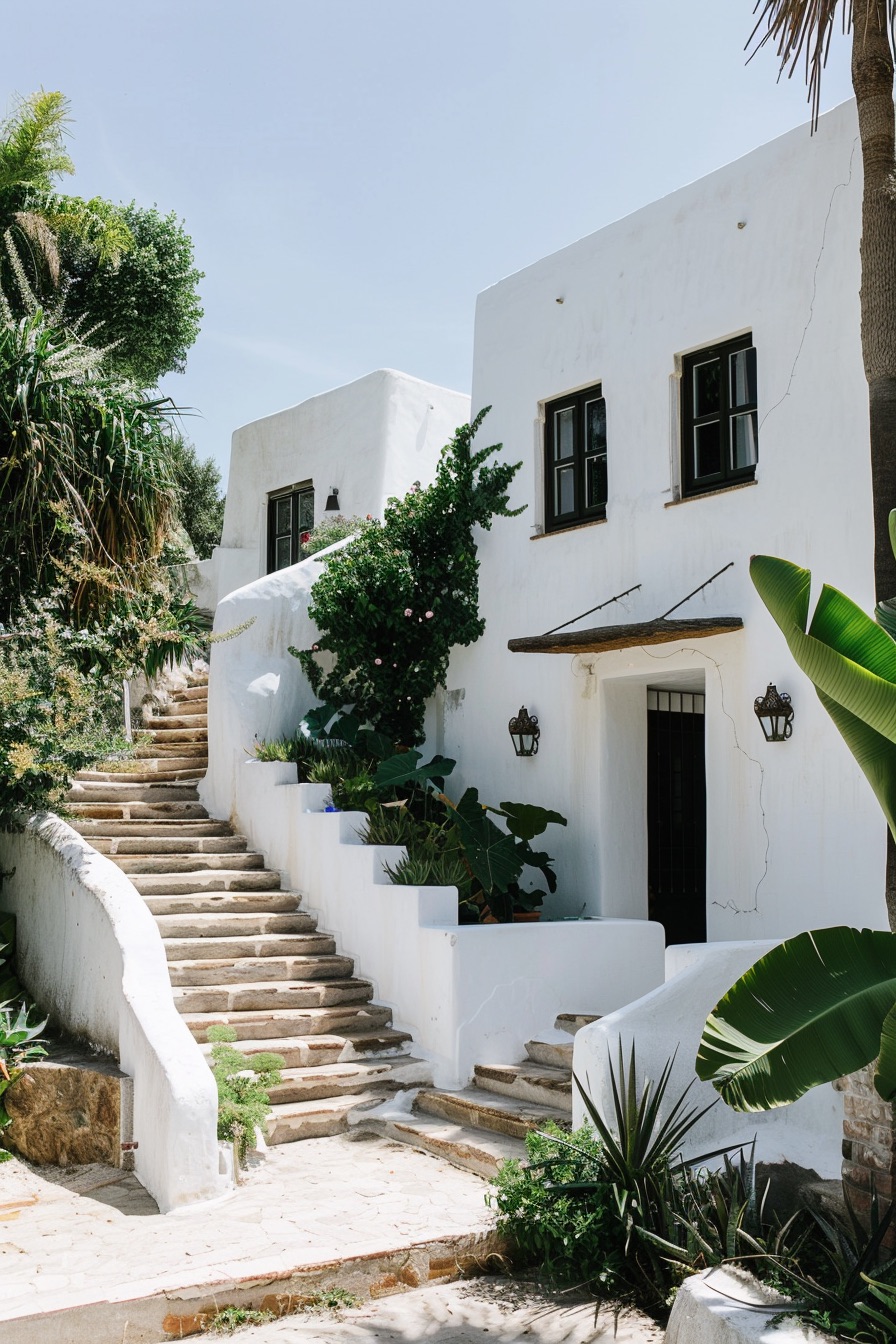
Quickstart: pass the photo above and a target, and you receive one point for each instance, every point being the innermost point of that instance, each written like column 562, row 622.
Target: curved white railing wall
column 468, row 993
column 91, row 955
column 669, row 1021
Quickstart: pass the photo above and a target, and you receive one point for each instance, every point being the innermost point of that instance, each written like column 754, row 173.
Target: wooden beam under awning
column 604, row 638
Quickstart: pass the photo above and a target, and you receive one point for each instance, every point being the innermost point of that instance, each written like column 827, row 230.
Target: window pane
column 595, row 480
column 707, row 450
column 563, row 434
column 742, row 375
column 564, row 490
column 306, row 510
column 596, row 426
column 706, row 387
column 284, row 514
column 744, row 440
column 283, row 557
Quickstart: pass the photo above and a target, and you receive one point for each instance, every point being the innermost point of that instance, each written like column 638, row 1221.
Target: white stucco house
column 346, row 451
column 683, row 388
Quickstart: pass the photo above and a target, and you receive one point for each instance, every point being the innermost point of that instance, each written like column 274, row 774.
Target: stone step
column 539, row 1083
column 167, row 721
column 249, row 970
column 139, row 811
column 165, row 844
column 273, row 1023
column 573, row 1022
column 192, row 862
column 164, row 736
column 159, row 829
column 174, row 776
column 226, row 903
column 199, row 691
column 557, row 1054
column 471, row 1149
column 183, row 947
column 350, row 1077
column 125, row 792
column 196, row 703
column 265, row 995
column 218, row 928
column 149, row 765
column 478, row 1109
column 195, row 679
column 316, row 1119
column 205, row 879
column 194, row 752
column 329, row 1048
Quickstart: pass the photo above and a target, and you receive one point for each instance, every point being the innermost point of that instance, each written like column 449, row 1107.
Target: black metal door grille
column 676, row 814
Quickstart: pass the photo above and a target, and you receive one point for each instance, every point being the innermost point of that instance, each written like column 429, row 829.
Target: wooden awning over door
column 629, row 636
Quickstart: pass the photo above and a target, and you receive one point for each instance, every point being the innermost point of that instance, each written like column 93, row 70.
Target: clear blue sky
column 353, row 172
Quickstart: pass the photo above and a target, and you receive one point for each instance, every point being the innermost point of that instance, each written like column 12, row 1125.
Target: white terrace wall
column 90, row 954
column 372, row 439
column 768, row 244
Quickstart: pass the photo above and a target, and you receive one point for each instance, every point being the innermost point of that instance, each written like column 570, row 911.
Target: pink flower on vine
column 314, row 648
column 378, row 662
column 429, row 615
column 408, row 612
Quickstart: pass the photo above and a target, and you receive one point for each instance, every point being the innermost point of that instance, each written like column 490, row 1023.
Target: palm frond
column 800, row 30
column 32, row 152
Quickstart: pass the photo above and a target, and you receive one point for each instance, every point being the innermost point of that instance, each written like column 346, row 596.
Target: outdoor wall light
column 775, row 713
column 332, row 504
column 524, row 732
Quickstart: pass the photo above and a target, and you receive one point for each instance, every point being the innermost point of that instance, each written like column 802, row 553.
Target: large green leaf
column 851, row 661
column 491, row 853
column 525, row 820
column 806, row 1013
column 404, row 768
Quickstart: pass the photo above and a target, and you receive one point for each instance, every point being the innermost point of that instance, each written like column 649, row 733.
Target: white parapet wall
column 90, row 954
column 668, row 1022
column 468, row 993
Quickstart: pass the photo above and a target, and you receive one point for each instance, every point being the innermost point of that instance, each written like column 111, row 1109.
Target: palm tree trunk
column 872, row 81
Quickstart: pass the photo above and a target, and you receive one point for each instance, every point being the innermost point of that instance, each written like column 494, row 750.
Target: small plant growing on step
column 244, row 1084
column 229, row 1319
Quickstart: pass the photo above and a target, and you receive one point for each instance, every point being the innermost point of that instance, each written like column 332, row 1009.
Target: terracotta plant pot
column 526, row 916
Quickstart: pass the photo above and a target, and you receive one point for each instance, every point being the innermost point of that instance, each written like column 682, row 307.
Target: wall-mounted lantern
column 524, row 732
column 775, row 713
column 332, row 504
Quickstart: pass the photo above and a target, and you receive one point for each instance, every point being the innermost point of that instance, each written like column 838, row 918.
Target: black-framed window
column 575, row 459
column 719, row 420
column 290, row 517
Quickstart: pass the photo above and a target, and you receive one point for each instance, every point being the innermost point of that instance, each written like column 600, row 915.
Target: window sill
column 707, row 494
column 564, row 531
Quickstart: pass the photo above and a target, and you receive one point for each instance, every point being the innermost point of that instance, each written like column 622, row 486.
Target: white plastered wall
column 768, row 244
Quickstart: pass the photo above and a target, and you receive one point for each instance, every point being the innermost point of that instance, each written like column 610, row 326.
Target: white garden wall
column 668, row 1022
column 468, row 993
column 91, row 956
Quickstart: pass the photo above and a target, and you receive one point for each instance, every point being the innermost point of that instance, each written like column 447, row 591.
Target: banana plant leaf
column 809, row 1011
column 851, row 661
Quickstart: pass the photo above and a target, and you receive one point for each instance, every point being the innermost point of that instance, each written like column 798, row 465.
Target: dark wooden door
column 676, row 814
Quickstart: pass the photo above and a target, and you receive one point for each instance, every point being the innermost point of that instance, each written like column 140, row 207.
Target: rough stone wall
column 66, row 1115
column 869, row 1145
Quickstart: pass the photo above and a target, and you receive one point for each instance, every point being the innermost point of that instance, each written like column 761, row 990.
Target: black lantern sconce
column 332, row 504
column 775, row 713
column 524, row 732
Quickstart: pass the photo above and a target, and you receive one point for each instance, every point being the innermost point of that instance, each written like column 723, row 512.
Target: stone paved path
column 323, row 1199
column 479, row 1311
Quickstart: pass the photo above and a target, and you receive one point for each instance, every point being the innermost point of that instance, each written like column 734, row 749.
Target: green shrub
column 243, row 1083
column 573, row 1239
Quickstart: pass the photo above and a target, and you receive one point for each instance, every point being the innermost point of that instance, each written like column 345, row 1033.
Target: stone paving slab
column 481, row 1311
column 84, row 1254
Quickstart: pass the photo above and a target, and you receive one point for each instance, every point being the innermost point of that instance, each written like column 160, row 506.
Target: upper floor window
column 575, row 459
column 719, row 430
column 290, row 519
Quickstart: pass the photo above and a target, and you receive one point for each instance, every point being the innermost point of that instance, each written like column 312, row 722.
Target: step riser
column 261, row 998
column 545, row 1052
column 387, row 1079
column 164, row 831
column 178, row 708
column 184, row 884
column 202, row 949
column 138, row 811
column 157, row 845
column 171, row 775
column 461, row 1150
column 559, row 1099
column 480, row 1116
column 171, row 722
column 264, row 969
column 321, row 1051
column 132, row 793
column 226, row 903
column 188, row 863
column 264, row 1026
column 213, row 928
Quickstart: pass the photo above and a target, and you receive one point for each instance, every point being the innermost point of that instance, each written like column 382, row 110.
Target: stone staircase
column 481, row 1126
column 240, row 949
